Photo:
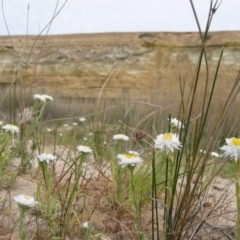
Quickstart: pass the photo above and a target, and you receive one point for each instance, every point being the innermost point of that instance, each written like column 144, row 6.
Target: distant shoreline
column 171, row 39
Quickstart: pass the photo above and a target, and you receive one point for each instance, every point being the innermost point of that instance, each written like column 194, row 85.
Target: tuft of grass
column 166, row 197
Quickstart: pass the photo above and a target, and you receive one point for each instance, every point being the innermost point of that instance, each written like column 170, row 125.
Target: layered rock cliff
column 134, row 65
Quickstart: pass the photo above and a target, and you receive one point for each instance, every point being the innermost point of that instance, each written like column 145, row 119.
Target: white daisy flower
column 82, row 119
column 176, row 123
column 11, row 128
column 85, row 225
column 202, row 151
column 129, row 160
column 65, row 125
column 120, row 137
column 74, row 124
column 85, row 139
column 46, row 157
column 232, row 148
column 84, row 149
column 42, row 98
column 167, row 142
column 215, row 154
column 49, row 129
column 25, row 200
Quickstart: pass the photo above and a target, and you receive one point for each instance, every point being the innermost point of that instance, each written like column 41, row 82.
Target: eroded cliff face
column 134, row 65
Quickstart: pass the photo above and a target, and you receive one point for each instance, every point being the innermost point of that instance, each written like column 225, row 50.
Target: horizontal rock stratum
column 133, row 65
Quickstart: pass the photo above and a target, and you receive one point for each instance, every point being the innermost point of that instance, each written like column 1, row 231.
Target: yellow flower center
column 236, row 141
column 26, row 197
column 130, row 156
column 167, row 136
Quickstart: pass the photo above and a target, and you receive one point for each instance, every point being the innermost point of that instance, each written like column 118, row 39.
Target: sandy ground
column 218, row 207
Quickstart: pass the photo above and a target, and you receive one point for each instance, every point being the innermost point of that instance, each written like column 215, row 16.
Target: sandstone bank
column 134, row 65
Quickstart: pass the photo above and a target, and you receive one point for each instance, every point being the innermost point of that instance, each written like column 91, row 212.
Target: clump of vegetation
column 103, row 175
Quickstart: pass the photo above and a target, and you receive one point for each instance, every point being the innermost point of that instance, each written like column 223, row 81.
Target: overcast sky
column 90, row 16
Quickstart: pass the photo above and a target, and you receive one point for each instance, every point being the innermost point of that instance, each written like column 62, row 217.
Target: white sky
column 90, row 16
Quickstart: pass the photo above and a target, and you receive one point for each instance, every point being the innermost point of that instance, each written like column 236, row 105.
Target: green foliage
column 80, row 186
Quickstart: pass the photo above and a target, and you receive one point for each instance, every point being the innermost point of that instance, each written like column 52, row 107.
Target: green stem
column 86, row 233
column 120, row 185
column 22, row 210
column 49, row 187
column 238, row 196
column 166, row 200
column 154, row 197
column 74, row 191
column 119, row 177
column 137, row 210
